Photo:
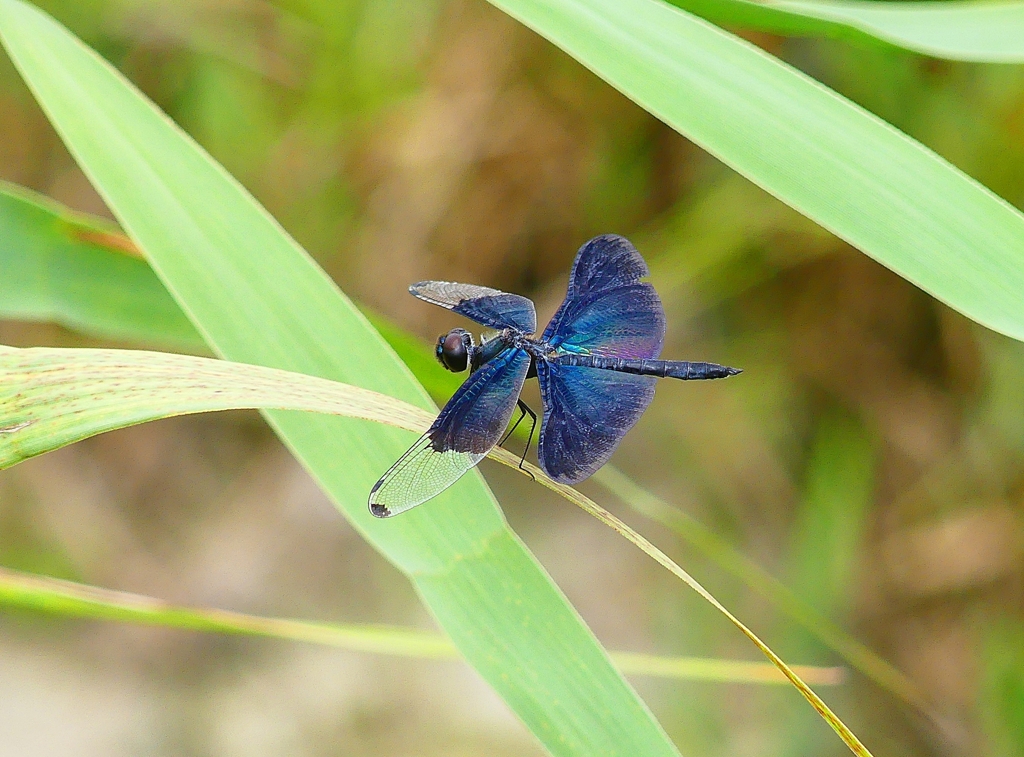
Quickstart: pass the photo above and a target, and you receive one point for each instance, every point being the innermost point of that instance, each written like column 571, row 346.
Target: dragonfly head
column 454, row 350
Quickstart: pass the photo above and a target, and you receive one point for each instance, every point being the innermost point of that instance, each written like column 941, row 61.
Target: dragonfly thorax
column 454, row 350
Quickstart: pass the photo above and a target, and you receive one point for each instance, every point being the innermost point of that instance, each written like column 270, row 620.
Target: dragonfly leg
column 533, row 427
column 522, row 414
column 524, row 410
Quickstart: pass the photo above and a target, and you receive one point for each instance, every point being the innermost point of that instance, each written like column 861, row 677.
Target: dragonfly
column 596, row 362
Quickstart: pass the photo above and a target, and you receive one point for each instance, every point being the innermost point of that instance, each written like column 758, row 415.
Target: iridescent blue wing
column 607, row 310
column 484, row 305
column 587, row 411
column 464, row 432
column 475, row 416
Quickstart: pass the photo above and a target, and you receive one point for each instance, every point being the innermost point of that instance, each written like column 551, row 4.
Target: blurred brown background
column 871, row 455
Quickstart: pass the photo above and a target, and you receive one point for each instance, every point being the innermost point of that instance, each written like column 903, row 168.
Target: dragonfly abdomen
column 678, row 369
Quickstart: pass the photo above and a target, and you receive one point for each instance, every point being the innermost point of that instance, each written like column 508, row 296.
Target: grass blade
column 257, row 298
column 983, row 32
column 69, row 599
column 592, row 508
column 839, row 165
column 441, row 384
column 83, row 273
column 757, row 579
column 50, row 396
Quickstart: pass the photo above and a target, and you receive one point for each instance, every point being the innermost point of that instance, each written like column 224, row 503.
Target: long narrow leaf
column 984, row 32
column 620, row 527
column 73, row 269
column 52, row 397
column 756, row 578
column 69, row 599
column 58, row 266
column 256, row 297
column 841, row 166
column 15, row 202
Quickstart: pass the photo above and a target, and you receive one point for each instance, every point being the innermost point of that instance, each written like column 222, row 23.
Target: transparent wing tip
column 419, row 475
column 378, row 509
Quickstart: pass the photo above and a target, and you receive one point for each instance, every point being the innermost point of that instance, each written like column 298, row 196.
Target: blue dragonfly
column 596, row 362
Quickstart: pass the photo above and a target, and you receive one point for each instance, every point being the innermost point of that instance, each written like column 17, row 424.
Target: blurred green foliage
column 1002, row 688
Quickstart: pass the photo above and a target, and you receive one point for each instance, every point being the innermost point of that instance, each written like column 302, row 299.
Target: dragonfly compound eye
column 453, row 350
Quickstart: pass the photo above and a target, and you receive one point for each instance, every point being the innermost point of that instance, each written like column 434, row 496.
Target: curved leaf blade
column 256, row 297
column 57, row 396
column 51, row 397
column 414, row 353
column 760, row 581
column 75, row 270
column 982, row 32
column 833, row 161
column 69, row 599
column 60, row 266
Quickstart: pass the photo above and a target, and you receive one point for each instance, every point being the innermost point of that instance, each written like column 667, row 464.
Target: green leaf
column 415, row 353
column 758, row 580
column 841, row 166
column 70, row 599
column 59, row 266
column 417, row 356
column 984, row 32
column 256, row 297
column 76, row 270
column 591, row 507
column 52, row 397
